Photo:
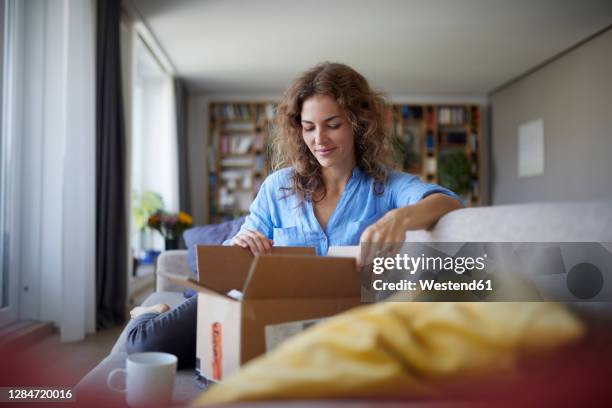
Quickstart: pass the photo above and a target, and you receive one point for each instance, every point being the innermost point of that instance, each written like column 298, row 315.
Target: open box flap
column 193, row 284
column 301, row 276
column 223, row 268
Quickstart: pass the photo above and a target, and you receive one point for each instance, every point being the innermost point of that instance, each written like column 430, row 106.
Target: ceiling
column 412, row 47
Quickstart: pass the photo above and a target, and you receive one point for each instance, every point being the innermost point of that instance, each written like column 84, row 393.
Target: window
column 154, row 150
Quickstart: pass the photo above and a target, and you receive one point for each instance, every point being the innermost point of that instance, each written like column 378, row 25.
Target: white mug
column 149, row 379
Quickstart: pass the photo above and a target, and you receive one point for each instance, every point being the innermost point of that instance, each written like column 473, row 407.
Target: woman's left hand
column 387, row 229
column 384, row 237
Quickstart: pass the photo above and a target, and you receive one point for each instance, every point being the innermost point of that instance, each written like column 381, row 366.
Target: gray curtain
column 183, row 145
column 111, row 196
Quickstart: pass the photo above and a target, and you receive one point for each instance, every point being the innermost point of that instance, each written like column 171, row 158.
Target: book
column 259, row 163
column 240, row 144
column 430, row 117
column 452, row 116
column 475, row 118
column 474, row 142
column 257, row 184
column 430, row 141
column 258, row 143
column 270, row 111
column 431, row 165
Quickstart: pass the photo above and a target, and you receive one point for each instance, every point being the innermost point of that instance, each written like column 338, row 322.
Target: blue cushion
column 213, row 234
column 189, row 293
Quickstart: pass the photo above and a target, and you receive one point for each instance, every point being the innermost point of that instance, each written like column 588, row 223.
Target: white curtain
column 57, row 197
column 79, row 176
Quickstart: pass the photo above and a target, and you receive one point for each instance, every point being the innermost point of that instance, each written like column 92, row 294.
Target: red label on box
column 217, row 353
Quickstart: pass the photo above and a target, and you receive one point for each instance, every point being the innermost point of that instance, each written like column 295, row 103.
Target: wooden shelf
column 226, row 155
column 418, row 122
column 461, row 126
column 435, row 123
column 236, row 120
column 248, row 136
column 239, row 132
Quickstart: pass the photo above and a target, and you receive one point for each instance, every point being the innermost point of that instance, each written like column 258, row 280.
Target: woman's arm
column 392, row 227
column 256, row 231
column 425, row 213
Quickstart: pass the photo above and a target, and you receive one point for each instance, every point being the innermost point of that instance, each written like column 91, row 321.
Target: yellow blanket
column 400, row 349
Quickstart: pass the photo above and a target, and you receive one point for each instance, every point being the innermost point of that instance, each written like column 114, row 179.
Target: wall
column 573, row 95
column 197, row 131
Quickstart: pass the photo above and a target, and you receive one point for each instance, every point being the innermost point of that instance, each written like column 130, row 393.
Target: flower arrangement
column 144, row 205
column 170, row 225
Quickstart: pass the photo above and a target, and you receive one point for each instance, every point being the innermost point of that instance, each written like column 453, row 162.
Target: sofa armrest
column 173, row 262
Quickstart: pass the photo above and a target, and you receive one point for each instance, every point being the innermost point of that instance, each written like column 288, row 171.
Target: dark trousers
column 171, row 332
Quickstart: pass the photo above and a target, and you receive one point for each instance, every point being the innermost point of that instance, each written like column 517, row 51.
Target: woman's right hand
column 253, row 240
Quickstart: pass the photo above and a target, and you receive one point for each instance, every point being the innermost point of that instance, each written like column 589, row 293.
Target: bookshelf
column 426, row 134
column 239, row 133
column 238, row 162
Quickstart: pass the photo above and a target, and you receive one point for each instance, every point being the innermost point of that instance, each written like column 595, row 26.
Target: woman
column 338, row 190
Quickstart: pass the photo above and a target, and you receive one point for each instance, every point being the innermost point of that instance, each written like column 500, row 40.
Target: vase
column 172, row 243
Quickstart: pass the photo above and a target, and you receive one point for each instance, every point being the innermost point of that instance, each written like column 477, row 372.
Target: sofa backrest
column 539, row 222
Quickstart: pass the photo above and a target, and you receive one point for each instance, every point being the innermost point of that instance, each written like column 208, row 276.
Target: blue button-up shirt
column 279, row 214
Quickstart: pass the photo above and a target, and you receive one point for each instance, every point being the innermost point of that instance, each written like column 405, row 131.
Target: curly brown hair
column 365, row 110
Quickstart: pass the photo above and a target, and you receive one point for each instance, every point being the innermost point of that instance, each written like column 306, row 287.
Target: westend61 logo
column 489, row 271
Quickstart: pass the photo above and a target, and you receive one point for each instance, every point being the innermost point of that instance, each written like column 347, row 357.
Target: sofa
column 537, row 222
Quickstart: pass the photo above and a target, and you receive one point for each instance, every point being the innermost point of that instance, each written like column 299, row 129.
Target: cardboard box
column 290, row 285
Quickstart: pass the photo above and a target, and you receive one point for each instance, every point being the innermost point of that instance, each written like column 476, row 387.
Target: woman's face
column 328, row 132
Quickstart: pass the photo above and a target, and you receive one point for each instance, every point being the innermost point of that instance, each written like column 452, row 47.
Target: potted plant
column 454, row 171
column 143, row 206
